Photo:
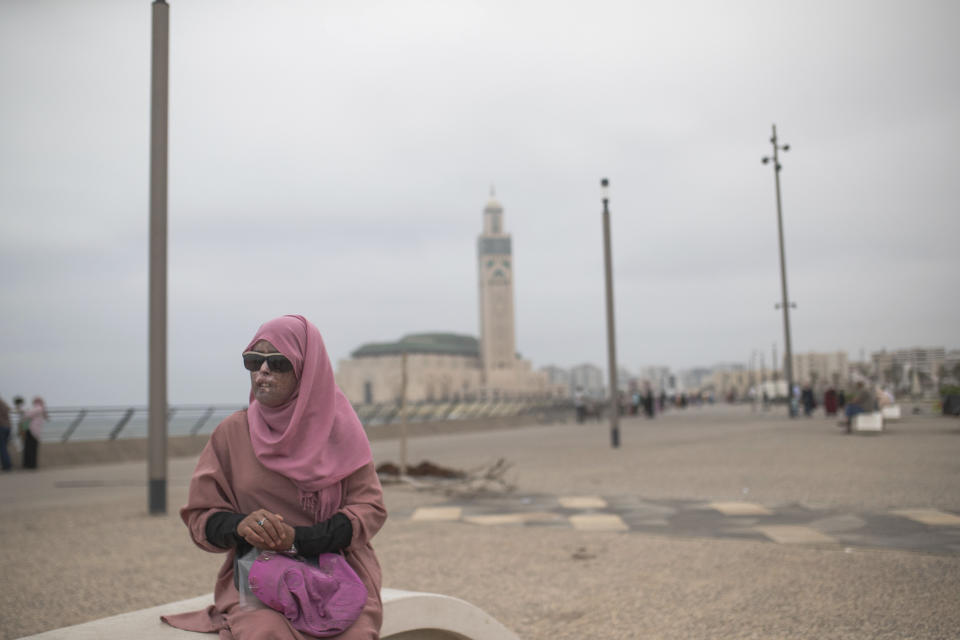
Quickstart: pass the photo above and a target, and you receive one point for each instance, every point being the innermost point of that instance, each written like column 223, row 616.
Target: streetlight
column 611, row 336
column 157, row 349
column 785, row 305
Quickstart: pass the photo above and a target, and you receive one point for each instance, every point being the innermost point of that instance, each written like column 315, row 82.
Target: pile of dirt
column 425, row 469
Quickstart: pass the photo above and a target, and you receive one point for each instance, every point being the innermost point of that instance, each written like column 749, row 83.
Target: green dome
column 451, row 344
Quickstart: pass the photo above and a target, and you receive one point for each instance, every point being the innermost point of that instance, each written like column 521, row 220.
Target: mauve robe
column 229, row 477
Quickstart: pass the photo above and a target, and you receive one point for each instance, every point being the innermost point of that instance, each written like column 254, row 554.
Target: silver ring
column 261, row 521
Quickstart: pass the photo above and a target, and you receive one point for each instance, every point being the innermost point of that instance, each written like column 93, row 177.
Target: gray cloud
column 334, row 160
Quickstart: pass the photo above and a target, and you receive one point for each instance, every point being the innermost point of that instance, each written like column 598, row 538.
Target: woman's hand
column 266, row 530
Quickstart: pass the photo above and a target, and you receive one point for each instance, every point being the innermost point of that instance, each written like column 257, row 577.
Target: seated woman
column 292, row 473
column 862, row 402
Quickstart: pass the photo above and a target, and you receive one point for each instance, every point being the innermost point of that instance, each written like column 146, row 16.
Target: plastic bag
column 241, row 579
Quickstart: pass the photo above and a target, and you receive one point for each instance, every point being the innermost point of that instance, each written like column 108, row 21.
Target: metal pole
column 157, row 399
column 788, row 364
column 611, row 335
column 403, row 415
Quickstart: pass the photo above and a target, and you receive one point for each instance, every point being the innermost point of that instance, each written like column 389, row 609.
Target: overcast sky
column 333, row 160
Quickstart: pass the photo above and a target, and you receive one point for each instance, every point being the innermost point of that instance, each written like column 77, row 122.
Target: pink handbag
column 321, row 599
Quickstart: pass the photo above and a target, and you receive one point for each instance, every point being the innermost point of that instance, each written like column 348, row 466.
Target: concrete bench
column 868, row 421
column 407, row 615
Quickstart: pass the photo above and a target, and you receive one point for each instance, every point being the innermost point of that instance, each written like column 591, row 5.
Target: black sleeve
column 328, row 536
column 221, row 530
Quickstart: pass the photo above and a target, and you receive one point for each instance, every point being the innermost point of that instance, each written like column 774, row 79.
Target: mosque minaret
column 444, row 366
column 495, row 271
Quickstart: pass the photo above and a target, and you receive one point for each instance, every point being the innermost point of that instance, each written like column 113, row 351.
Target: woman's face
column 270, row 388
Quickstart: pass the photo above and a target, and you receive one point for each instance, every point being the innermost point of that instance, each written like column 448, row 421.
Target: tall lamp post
column 157, row 350
column 611, row 335
column 785, row 304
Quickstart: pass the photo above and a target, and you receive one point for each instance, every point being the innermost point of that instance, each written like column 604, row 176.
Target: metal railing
column 112, row 423
column 373, row 415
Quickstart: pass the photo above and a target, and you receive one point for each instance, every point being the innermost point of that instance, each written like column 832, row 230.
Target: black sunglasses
column 277, row 362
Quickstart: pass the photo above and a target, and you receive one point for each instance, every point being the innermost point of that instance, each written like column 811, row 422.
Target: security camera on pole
column 785, row 305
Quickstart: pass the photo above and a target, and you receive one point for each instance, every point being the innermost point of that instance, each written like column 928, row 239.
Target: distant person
column 830, row 402
column 885, row 397
column 293, row 474
column 20, row 422
column 648, row 401
column 795, row 400
column 5, row 428
column 808, row 401
column 34, row 418
column 580, row 404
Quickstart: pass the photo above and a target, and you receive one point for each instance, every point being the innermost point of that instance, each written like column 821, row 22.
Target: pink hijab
column 315, row 439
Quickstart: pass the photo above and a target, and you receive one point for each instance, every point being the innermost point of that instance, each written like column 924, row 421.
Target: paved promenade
column 706, row 523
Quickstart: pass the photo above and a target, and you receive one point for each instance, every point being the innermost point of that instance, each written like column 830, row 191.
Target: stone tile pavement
column 924, row 530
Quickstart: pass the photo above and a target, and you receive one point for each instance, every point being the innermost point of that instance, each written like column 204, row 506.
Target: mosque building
column 449, row 366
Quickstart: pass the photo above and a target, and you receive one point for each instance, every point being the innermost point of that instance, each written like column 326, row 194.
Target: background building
column 447, row 366
column 916, row 368
column 821, row 369
column 659, row 378
column 729, row 382
column 589, row 378
column 951, row 368
column 694, row 379
column 440, row 366
column 557, row 377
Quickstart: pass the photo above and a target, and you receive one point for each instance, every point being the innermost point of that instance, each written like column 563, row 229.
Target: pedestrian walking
column 580, row 404
column 17, row 420
column 808, row 400
column 31, row 426
column 5, row 428
column 648, row 400
column 830, row 402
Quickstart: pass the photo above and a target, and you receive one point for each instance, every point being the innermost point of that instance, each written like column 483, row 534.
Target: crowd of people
column 635, row 402
column 29, row 426
column 864, row 398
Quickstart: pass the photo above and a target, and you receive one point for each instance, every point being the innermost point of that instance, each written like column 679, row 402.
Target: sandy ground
column 76, row 544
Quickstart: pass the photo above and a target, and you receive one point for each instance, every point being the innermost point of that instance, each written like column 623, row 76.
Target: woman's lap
column 258, row 624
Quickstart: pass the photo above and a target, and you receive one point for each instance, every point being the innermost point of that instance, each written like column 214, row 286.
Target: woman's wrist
column 221, row 529
column 324, row 537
